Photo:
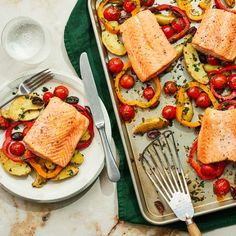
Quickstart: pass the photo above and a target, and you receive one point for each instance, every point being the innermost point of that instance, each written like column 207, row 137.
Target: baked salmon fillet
column 148, row 49
column 56, row 132
column 216, row 34
column 217, row 137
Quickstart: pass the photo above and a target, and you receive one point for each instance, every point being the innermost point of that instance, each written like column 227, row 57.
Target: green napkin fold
column 79, row 37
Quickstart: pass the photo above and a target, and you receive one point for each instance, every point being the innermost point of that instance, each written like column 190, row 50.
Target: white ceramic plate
column 88, row 171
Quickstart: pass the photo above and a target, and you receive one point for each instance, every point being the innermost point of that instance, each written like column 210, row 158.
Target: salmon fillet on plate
column 148, row 49
column 216, row 34
column 56, row 132
column 217, row 137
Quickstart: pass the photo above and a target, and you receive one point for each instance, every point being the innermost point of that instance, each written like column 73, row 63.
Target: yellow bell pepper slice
column 181, row 102
column 136, row 102
column 187, row 7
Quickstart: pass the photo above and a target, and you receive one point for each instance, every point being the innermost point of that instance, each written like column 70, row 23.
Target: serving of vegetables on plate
column 177, row 95
column 27, row 175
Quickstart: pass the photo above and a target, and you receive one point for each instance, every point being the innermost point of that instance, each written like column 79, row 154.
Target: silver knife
column 94, row 102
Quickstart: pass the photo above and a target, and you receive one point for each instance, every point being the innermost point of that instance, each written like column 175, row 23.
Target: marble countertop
column 93, row 212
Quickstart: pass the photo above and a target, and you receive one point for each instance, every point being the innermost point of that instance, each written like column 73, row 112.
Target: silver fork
column 30, row 84
column 161, row 162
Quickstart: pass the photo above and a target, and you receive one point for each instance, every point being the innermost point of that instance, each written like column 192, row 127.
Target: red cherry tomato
column 115, row 65
column 169, row 112
column 4, row 123
column 112, row 13
column 127, row 81
column 147, row 3
column 193, row 92
column 129, row 6
column 208, row 170
column 46, row 96
column 212, row 60
column 61, row 91
column 220, row 81
column 221, row 187
column 148, row 93
column 17, row 148
column 170, row 88
column 203, row 100
column 168, row 31
column 178, row 25
column 127, row 112
column 232, row 81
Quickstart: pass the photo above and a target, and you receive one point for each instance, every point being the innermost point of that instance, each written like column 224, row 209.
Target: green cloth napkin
column 79, row 37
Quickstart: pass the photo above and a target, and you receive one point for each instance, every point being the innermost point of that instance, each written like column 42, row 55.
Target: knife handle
column 112, row 169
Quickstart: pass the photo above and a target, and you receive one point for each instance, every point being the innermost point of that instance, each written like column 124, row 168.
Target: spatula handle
column 193, row 229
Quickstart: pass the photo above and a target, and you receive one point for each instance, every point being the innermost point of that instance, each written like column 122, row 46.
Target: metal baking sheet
column 204, row 200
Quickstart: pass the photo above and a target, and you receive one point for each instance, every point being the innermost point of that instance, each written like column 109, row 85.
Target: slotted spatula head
column 162, row 164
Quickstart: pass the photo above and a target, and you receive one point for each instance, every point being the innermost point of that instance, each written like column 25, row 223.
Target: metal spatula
column 161, row 162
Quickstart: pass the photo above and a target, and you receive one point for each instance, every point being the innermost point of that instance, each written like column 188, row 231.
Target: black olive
column 37, row 101
column 17, row 136
column 202, row 58
column 152, row 134
column 72, row 100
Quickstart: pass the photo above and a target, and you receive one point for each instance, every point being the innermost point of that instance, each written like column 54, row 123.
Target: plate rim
column 108, row 130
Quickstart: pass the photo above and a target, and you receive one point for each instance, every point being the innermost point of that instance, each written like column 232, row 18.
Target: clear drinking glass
column 24, row 39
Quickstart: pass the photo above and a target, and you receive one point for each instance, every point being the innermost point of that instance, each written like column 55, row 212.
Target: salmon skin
column 148, row 49
column 217, row 137
column 216, row 34
column 56, row 132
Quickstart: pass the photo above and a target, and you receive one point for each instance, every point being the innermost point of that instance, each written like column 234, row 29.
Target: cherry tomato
column 232, row 81
column 148, row 93
column 115, row 65
column 147, row 3
column 4, row 123
column 170, row 88
column 112, row 13
column 169, row 112
column 193, row 92
column 129, row 6
column 208, row 170
column 221, row 187
column 168, row 31
column 220, row 81
column 61, row 91
column 212, row 60
column 127, row 81
column 46, row 96
column 178, row 25
column 203, row 100
column 127, row 112
column 17, row 148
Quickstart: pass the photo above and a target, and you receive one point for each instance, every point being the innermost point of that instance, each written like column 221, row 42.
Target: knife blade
column 99, row 121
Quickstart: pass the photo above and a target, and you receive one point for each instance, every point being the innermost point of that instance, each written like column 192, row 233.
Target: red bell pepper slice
column 86, row 112
column 219, row 167
column 8, row 140
column 220, row 71
column 230, row 96
column 220, row 5
column 178, row 12
column 225, row 104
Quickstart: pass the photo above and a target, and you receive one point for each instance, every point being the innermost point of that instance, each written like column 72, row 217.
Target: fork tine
column 41, row 82
column 35, row 76
column 31, row 83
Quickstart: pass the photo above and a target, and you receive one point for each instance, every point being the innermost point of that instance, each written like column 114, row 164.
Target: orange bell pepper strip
column 181, row 102
column 37, row 167
column 107, row 24
column 187, row 7
column 136, row 102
